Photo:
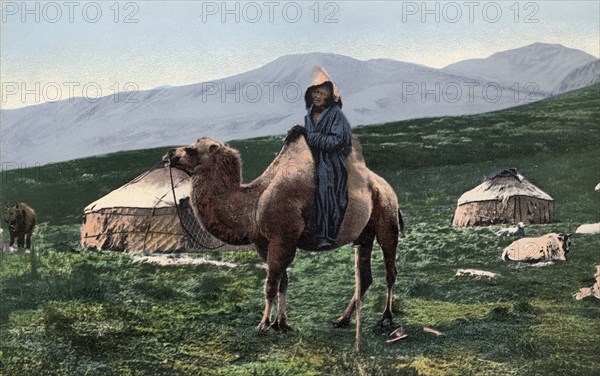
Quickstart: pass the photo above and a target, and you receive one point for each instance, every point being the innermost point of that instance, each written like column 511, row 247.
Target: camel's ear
column 16, row 205
column 212, row 148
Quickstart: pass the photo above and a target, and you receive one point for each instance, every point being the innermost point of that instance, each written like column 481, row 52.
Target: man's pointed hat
column 320, row 76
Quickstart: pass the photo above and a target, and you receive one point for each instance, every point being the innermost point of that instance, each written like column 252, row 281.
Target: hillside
column 71, row 311
column 269, row 100
column 565, row 125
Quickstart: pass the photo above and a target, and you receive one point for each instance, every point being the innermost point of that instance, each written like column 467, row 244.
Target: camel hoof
column 281, row 326
column 342, row 322
column 263, row 326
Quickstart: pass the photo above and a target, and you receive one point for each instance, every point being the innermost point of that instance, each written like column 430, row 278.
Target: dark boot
column 323, row 244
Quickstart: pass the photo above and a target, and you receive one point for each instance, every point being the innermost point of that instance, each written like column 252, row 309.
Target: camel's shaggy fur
column 276, row 212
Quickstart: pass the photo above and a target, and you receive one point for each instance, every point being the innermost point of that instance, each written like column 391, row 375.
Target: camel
column 276, row 213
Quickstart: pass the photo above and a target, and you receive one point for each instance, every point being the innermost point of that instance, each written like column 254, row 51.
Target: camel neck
column 225, row 206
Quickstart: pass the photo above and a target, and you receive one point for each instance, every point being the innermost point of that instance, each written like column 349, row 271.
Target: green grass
column 78, row 312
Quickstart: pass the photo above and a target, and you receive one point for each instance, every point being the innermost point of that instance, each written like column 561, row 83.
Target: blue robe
column 330, row 141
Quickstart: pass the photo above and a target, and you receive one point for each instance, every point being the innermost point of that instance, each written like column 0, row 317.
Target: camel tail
column 401, row 221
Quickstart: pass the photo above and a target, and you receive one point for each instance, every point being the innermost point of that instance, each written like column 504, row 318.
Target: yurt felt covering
column 141, row 216
column 504, row 197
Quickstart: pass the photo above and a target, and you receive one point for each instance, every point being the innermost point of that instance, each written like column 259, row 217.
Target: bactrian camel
column 276, row 213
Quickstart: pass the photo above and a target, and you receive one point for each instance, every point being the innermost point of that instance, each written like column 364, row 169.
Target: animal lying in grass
column 549, row 247
column 518, row 230
column 276, row 213
column 21, row 222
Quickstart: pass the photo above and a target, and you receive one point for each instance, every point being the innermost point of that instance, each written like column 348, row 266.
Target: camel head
column 204, row 156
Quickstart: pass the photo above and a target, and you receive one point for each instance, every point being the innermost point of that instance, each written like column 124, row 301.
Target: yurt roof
column 501, row 185
column 152, row 189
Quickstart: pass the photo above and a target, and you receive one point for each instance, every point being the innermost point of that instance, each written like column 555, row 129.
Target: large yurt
column 504, row 197
column 141, row 216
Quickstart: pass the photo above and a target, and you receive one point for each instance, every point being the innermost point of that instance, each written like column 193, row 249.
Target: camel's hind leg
column 387, row 231
column 365, row 249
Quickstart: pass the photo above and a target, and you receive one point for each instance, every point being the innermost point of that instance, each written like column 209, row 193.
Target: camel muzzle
column 171, row 158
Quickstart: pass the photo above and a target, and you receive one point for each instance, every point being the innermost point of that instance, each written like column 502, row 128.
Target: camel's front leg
column 265, row 323
column 280, row 323
column 278, row 259
column 272, row 283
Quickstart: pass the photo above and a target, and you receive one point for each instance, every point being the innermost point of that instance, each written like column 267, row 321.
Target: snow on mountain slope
column 270, row 100
column 545, row 65
column 585, row 75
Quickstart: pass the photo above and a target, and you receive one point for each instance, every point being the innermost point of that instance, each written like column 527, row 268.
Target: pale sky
column 110, row 45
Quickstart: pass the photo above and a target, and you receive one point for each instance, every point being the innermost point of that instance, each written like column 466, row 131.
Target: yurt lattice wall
column 141, row 216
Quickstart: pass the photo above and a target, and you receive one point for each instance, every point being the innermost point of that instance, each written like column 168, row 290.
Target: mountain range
column 270, row 100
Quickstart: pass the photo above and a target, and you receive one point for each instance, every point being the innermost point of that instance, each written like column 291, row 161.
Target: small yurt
column 504, row 197
column 141, row 216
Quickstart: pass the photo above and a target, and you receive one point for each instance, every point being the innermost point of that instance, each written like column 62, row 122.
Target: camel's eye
column 190, row 151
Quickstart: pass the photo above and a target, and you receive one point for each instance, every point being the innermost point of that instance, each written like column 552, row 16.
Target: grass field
column 71, row 311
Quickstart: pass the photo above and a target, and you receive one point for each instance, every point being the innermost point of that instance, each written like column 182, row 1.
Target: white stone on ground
column 593, row 291
column 477, row 274
column 590, row 228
